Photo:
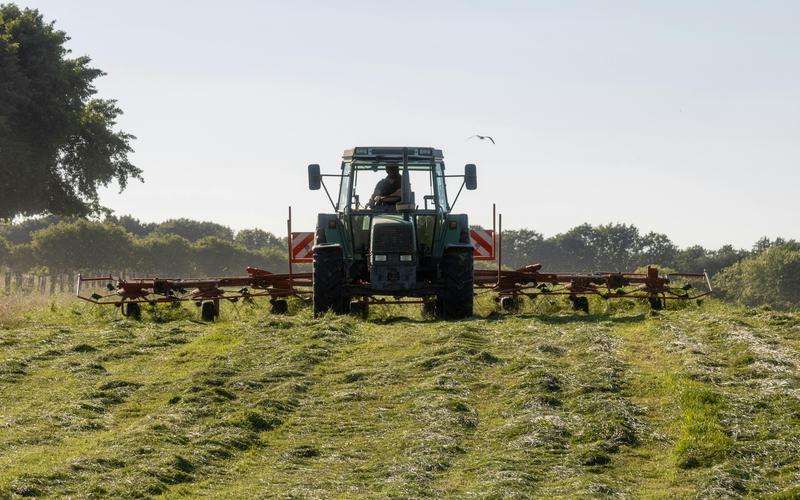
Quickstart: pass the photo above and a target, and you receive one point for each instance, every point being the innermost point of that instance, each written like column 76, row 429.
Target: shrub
column 771, row 277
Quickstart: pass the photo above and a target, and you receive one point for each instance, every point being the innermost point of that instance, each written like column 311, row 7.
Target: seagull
column 482, row 137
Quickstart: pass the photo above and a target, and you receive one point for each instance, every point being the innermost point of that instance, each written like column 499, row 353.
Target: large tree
column 58, row 143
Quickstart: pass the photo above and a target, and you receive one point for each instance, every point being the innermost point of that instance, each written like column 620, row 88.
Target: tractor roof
column 372, row 155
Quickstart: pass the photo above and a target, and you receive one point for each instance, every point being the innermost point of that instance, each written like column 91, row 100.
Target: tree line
column 59, row 248
column 56, row 245
column 617, row 247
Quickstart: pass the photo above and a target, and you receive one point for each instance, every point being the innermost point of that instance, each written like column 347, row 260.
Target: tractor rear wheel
column 455, row 299
column 329, row 281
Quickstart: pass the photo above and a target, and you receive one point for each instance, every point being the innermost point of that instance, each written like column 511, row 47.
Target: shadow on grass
column 391, row 320
column 558, row 319
column 554, row 319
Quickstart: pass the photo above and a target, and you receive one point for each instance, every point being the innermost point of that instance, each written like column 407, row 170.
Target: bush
column 771, row 277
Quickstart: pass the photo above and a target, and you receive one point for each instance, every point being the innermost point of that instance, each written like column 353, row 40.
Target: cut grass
column 702, row 441
column 547, row 402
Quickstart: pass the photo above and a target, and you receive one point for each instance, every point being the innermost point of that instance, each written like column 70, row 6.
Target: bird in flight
column 482, row 137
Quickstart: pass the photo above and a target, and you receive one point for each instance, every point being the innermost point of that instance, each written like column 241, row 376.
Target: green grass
column 696, row 401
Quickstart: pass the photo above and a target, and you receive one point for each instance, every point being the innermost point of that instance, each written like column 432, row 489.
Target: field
column 698, row 401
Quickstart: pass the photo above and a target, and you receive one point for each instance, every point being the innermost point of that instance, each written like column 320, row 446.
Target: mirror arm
column 459, row 191
column 329, row 195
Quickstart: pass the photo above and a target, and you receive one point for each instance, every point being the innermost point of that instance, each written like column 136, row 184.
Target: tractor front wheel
column 455, row 299
column 329, row 281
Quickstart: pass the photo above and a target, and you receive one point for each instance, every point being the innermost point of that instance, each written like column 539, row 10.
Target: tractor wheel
column 429, row 309
column 359, row 309
column 580, row 303
column 455, row 299
column 656, row 304
column 510, row 304
column 132, row 310
column 208, row 311
column 278, row 306
column 329, row 281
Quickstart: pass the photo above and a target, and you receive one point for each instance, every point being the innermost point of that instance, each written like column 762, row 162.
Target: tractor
column 393, row 250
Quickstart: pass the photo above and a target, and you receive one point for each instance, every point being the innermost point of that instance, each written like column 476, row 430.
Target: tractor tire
column 208, row 311
column 656, row 303
column 359, row 309
column 329, row 283
column 429, row 309
column 132, row 310
column 580, row 303
column 510, row 304
column 278, row 306
column 455, row 299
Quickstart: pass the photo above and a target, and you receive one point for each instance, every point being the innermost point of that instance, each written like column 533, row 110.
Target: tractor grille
column 391, row 238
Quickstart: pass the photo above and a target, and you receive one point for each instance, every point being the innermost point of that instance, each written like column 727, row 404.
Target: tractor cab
column 392, row 221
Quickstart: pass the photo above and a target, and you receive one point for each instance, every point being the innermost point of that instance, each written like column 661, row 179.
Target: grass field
column 698, row 401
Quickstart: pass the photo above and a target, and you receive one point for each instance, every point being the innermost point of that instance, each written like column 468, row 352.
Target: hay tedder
column 390, row 250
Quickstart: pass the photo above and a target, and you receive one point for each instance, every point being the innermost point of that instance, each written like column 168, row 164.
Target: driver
column 387, row 191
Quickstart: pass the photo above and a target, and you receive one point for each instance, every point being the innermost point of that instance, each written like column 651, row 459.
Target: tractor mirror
column 314, row 177
column 470, row 177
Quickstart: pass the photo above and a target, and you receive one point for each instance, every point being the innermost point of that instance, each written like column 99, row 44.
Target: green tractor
column 390, row 249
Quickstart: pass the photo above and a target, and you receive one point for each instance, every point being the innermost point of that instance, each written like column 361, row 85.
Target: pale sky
column 681, row 117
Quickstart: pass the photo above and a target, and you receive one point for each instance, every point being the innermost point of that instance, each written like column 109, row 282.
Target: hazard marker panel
column 483, row 241
column 302, row 245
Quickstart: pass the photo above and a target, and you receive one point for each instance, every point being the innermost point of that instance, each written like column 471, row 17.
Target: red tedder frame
column 257, row 283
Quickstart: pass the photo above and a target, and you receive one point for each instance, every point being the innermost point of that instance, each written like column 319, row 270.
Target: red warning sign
column 483, row 241
column 302, row 245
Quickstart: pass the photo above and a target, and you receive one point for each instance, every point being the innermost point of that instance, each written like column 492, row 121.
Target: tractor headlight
column 379, row 258
column 405, row 258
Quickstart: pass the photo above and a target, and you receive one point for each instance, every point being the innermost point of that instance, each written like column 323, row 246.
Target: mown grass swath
column 696, row 401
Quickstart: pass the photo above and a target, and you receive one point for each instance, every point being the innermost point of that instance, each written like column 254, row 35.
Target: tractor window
column 344, row 186
column 441, row 191
column 367, row 179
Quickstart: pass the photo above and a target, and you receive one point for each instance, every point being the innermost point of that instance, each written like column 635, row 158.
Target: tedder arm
column 258, row 283
column 530, row 282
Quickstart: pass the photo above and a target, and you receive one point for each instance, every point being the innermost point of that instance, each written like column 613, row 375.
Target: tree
column 132, row 225
column 255, row 239
column 194, row 230
column 164, row 255
column 658, row 249
column 771, row 277
column 216, row 257
column 616, row 247
column 5, row 251
column 57, row 142
column 22, row 232
column 83, row 246
column 575, row 249
column 21, row 259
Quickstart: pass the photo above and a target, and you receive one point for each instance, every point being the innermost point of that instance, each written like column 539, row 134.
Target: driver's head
column 392, row 170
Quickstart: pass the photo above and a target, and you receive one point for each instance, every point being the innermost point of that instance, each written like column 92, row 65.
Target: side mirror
column 470, row 177
column 314, row 177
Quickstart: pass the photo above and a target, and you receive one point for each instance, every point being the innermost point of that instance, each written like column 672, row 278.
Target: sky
column 680, row 117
